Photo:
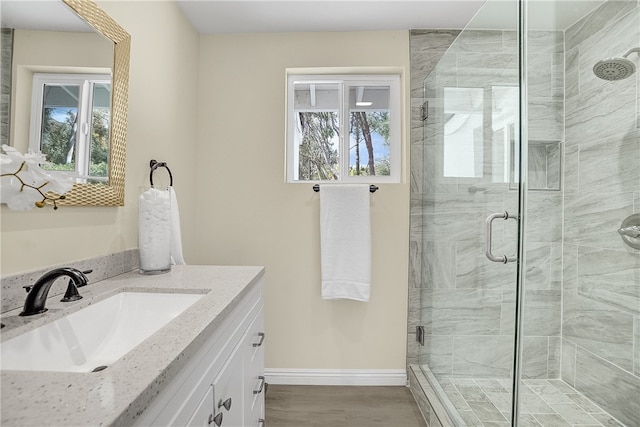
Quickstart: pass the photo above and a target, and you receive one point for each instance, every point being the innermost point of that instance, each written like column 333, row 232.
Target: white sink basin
column 96, row 335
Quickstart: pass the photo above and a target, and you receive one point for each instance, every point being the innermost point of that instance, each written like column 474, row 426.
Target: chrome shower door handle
column 496, row 258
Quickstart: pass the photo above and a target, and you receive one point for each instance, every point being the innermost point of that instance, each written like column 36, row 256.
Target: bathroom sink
column 92, row 338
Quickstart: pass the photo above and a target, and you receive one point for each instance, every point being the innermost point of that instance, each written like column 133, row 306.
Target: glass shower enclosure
column 530, row 252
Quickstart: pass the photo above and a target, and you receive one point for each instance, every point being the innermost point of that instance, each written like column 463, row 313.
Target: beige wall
column 162, row 125
column 247, row 214
column 221, row 129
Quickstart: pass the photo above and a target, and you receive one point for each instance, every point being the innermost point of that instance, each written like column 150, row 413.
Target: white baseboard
column 356, row 377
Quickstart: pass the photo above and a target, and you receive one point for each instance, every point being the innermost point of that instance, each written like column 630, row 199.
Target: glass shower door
column 581, row 293
column 565, row 317
column 470, row 228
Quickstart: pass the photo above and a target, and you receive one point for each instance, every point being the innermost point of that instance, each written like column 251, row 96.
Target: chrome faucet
column 37, row 297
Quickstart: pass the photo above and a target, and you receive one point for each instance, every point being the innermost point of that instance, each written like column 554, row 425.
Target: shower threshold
column 484, row 402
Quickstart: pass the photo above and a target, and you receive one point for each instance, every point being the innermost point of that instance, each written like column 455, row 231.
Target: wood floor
column 341, row 406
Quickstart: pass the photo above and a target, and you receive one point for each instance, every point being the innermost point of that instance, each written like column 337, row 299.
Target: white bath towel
column 345, row 240
column 154, row 230
column 176, row 233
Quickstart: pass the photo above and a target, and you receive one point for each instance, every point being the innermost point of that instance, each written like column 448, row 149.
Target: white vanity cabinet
column 223, row 384
column 227, row 390
column 202, row 416
column 254, row 381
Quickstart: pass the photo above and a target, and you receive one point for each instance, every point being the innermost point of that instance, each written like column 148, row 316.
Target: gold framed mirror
column 112, row 193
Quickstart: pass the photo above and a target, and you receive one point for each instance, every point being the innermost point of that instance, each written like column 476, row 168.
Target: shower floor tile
column 544, row 403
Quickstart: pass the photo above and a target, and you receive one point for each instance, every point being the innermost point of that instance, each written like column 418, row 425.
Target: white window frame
column 86, row 83
column 345, row 81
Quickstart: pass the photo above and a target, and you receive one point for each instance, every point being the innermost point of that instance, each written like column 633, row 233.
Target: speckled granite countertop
column 117, row 395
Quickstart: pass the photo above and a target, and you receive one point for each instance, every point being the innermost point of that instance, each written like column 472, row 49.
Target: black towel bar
column 372, row 188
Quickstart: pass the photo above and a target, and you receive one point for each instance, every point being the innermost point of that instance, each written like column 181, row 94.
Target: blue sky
column 59, row 114
column 379, row 150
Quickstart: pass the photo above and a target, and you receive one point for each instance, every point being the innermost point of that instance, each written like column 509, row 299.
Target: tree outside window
column 343, row 128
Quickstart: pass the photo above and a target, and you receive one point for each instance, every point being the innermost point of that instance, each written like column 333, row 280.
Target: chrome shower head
column 615, row 68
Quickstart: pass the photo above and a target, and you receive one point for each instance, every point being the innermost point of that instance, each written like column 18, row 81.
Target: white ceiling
column 246, row 16
column 50, row 15
column 242, row 16
column 252, row 16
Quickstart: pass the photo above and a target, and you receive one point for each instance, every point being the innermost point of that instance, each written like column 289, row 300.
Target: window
column 70, row 119
column 343, row 128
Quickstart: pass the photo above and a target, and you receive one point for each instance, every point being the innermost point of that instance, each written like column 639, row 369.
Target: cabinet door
column 256, row 418
column 203, row 416
column 227, row 390
column 253, row 344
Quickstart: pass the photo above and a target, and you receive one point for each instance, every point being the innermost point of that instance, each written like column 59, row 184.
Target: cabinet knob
column 261, row 422
column 217, row 420
column 259, row 390
column 259, row 343
column 226, row 404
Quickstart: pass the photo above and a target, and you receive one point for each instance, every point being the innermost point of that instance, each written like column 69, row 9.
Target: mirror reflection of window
column 504, row 122
column 70, row 123
column 59, row 125
column 480, row 133
column 99, row 131
column 463, row 132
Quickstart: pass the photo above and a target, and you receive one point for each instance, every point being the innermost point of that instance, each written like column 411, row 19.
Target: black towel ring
column 153, row 164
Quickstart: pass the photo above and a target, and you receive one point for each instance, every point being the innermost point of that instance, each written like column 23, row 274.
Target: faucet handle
column 85, row 279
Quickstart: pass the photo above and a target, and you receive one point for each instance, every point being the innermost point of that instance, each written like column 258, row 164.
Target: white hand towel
column 154, row 233
column 176, row 233
column 345, row 240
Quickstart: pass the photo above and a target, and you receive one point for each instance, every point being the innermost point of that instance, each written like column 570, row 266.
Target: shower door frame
column 522, row 209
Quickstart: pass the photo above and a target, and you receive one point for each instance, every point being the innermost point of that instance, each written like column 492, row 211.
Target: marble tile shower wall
column 6, row 55
column 601, row 286
column 427, row 48
column 541, row 353
column 468, row 302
